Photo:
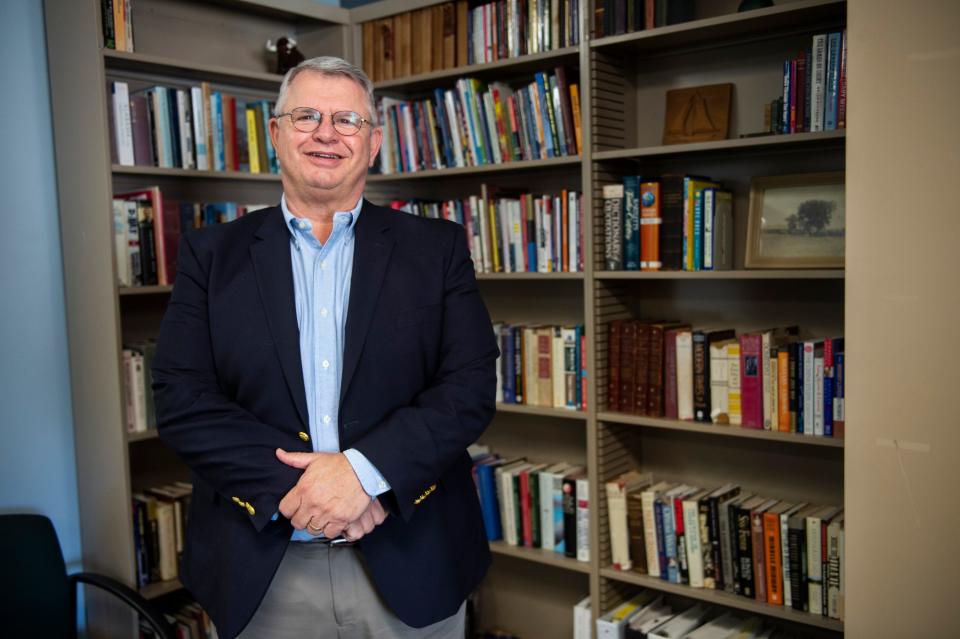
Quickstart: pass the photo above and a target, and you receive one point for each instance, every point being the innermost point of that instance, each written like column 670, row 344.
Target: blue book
column 466, row 102
column 559, row 530
column 531, row 123
column 785, row 113
column 698, row 230
column 558, row 116
column 661, row 540
column 828, row 404
column 542, row 97
column 173, row 128
column 670, row 541
column 489, row 505
column 578, row 391
column 832, row 88
column 509, row 365
column 243, row 148
column 216, row 105
column 631, row 223
column 265, row 111
column 440, row 113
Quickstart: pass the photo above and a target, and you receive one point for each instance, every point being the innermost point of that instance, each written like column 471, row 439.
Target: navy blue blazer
column 418, row 387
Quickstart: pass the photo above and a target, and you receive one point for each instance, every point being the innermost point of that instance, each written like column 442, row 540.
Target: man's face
column 324, row 164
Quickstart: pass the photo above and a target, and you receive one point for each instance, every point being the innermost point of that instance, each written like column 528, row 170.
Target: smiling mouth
column 327, row 156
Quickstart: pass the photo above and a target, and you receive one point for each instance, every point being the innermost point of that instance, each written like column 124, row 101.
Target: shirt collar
column 292, row 221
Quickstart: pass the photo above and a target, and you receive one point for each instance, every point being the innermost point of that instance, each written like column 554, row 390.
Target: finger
column 366, row 522
column 352, row 532
column 290, row 503
column 334, row 528
column 378, row 512
column 302, row 517
column 297, row 460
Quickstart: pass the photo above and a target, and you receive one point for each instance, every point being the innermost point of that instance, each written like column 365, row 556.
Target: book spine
column 701, row 378
column 613, row 223
column 832, row 82
column 570, row 517
column 631, row 223
column 773, row 558
column 818, row 93
column 706, row 544
column 691, row 527
column 650, row 222
column 684, row 375
column 744, row 545
column 583, row 519
column 759, row 559
column 751, row 381
column 648, row 499
column 814, row 566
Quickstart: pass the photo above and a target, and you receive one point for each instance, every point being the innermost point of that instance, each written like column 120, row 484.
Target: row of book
column 139, row 412
column 188, row 620
column 159, row 521
column 671, row 222
column 475, row 124
column 117, row 22
column 613, row 17
column 648, row 615
column 455, row 34
column 779, row 552
column 542, row 365
column 514, row 233
column 147, row 230
column 814, row 94
column 769, row 379
column 534, row 504
column 190, row 128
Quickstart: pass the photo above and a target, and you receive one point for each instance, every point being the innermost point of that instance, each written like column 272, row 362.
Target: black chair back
column 35, row 598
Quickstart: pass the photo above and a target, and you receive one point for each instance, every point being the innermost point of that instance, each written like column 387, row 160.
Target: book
column 613, row 198
column 617, row 490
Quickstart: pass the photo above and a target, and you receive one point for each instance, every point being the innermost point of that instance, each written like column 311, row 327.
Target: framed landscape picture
column 796, row 221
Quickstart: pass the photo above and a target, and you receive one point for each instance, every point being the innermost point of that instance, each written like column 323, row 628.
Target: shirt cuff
column 373, row 482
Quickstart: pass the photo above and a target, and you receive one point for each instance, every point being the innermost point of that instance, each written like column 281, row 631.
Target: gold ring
column 314, row 529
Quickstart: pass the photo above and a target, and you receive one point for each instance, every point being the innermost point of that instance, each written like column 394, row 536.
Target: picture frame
column 796, row 221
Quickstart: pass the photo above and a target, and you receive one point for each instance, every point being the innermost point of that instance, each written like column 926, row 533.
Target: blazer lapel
column 371, row 253
column 271, row 262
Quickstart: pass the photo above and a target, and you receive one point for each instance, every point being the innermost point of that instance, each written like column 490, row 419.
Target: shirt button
column 326, row 419
column 323, row 264
column 383, row 485
column 326, row 364
column 323, row 312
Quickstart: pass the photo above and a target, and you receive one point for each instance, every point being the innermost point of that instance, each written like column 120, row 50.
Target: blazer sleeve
column 415, row 444
column 224, row 444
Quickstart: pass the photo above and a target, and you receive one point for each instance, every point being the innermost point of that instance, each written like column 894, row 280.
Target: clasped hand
column 329, row 497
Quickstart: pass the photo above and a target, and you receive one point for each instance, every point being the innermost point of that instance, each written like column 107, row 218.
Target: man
column 328, row 324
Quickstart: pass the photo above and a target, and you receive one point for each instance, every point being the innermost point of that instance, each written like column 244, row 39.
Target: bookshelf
column 622, row 81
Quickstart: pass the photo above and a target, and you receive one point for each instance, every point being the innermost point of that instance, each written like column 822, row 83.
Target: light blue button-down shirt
column 321, row 285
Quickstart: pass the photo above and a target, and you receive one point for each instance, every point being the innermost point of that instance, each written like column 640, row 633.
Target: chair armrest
column 134, row 599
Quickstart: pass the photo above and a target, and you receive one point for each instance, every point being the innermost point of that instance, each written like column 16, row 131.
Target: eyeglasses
column 308, row 120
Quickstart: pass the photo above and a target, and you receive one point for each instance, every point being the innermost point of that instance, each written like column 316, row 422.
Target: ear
column 274, row 132
column 376, row 139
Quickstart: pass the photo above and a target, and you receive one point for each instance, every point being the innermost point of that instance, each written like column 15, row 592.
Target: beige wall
column 902, row 455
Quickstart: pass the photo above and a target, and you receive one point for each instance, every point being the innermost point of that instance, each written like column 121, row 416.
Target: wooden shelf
column 142, row 437
column 125, row 291
column 156, row 171
column 160, row 588
column 572, row 161
column 187, row 70
column 819, row 140
column 539, row 555
column 719, row 430
column 530, row 276
column 493, row 70
column 734, row 28
column 541, row 411
column 740, row 274
column 722, row 598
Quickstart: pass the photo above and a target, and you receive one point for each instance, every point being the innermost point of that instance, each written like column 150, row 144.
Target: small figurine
column 287, row 54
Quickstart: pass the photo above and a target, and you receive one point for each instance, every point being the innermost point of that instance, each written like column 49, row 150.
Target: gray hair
column 329, row 65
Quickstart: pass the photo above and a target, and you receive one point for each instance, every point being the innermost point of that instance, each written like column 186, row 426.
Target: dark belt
column 334, row 542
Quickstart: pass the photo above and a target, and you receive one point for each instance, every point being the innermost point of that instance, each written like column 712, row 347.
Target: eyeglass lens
column 308, row 120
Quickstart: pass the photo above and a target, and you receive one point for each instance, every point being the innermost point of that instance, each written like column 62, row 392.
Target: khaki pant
column 323, row 592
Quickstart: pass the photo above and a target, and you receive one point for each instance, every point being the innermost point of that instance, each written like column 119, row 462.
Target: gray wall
column 37, row 467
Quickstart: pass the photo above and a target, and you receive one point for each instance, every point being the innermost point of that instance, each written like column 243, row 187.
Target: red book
column 751, row 380
column 842, row 92
column 583, row 372
column 800, row 82
column 670, row 374
column 525, row 507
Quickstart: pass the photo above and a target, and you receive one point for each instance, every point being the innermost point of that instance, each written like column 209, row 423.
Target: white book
column 519, row 248
column 647, row 499
column 691, row 535
column 185, row 129
column 548, row 221
column 582, row 626
column 719, row 383
column 551, row 484
column 719, row 628
column 573, row 224
column 617, row 491
column 650, row 617
column 504, row 485
column 808, row 384
column 681, row 624
column 766, row 387
column 818, row 395
column 453, row 122
column 785, row 550
column 818, row 79
column 612, row 625
column 138, row 380
column 200, row 128
column 481, row 217
column 558, row 372
column 583, row 519
column 120, row 244
column 122, row 126
column 685, row 375
column 709, row 201
column 409, row 131
column 497, row 327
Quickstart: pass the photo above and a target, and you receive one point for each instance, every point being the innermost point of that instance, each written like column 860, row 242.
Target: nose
column 325, row 132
